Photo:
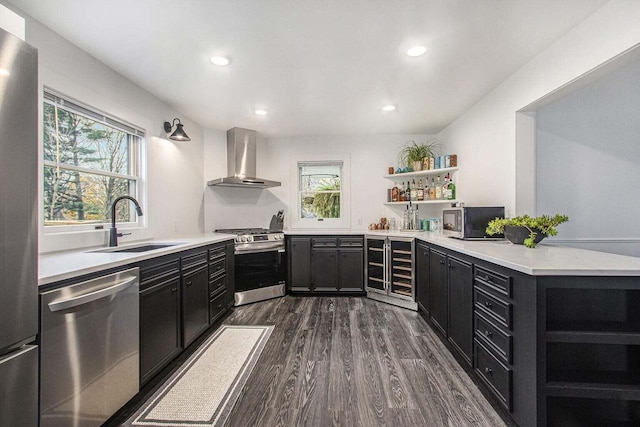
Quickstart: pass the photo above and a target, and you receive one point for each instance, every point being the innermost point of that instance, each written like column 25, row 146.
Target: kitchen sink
column 143, row 248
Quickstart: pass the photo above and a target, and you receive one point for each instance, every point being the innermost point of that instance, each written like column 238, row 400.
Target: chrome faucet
column 113, row 231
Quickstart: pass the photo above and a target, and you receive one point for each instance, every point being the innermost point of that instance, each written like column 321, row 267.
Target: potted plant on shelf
column 412, row 153
column 525, row 229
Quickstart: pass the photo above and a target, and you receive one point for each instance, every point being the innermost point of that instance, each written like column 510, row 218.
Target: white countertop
column 66, row 265
column 543, row 260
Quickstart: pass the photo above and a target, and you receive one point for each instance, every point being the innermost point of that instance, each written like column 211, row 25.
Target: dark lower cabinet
column 326, row 264
column 324, row 270
column 351, row 270
column 299, row 250
column 422, row 278
column 438, row 293
column 160, row 331
column 195, row 303
column 181, row 295
column 461, row 307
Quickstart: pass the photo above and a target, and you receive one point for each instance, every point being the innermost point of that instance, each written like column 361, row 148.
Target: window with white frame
column 322, row 197
column 89, row 160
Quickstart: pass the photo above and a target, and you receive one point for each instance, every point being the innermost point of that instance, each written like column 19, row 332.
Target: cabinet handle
column 441, row 262
column 488, row 304
column 451, row 266
column 488, row 334
column 189, row 283
column 174, row 289
column 488, row 371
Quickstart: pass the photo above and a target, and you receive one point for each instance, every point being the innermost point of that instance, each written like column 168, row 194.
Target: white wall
column 173, row 203
column 370, row 157
column 484, row 137
column 588, row 163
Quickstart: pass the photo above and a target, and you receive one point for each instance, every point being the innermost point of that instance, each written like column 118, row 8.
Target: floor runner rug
column 205, row 388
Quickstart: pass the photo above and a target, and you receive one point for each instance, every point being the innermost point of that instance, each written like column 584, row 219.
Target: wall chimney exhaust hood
column 241, row 162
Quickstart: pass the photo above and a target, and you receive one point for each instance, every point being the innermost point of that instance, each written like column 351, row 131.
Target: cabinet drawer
column 493, row 373
column 351, row 242
column 496, row 308
column 216, row 268
column 191, row 261
column 324, row 242
column 494, row 336
column 216, row 254
column 493, row 280
column 151, row 275
column 217, row 306
column 216, row 285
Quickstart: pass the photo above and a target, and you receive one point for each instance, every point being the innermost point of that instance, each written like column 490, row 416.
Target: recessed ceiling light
column 220, row 61
column 260, row 112
column 389, row 107
column 416, row 51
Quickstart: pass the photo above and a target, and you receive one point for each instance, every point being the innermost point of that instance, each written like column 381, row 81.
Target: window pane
column 324, row 204
column 72, row 197
column 320, row 189
column 320, row 177
column 76, row 140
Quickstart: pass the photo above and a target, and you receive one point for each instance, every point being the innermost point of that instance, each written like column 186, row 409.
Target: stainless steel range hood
column 241, row 162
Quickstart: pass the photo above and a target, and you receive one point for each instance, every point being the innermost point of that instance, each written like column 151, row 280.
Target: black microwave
column 470, row 222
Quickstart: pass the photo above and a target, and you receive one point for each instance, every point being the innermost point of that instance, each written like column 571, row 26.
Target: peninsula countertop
column 544, row 260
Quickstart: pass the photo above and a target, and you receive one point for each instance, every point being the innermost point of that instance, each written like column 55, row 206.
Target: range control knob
column 244, row 239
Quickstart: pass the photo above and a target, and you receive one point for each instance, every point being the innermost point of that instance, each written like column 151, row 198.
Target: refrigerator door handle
column 63, row 304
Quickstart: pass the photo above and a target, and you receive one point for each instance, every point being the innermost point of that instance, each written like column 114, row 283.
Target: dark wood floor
column 353, row 362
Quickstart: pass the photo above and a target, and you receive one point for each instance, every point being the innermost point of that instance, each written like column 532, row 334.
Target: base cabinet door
column 438, row 292
column 195, row 303
column 160, row 334
column 461, row 307
column 324, row 270
column 351, row 270
column 299, row 264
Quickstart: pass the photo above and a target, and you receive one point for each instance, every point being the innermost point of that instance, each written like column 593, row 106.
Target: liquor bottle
column 402, row 194
column 420, row 190
column 395, row 193
column 446, row 194
column 432, row 190
column 414, row 191
column 452, row 190
column 438, row 189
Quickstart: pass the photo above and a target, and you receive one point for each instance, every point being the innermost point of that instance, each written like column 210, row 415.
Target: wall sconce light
column 179, row 134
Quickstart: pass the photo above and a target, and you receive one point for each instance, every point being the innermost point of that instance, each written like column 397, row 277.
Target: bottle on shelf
column 432, row 190
column 414, row 190
column 448, row 188
column 394, row 193
column 420, row 191
column 416, row 219
column 402, row 194
column 438, row 189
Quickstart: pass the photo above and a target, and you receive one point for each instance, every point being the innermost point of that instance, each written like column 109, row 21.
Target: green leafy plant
column 414, row 152
column 545, row 225
column 326, row 203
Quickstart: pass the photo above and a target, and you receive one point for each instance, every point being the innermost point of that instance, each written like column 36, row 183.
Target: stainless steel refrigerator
column 18, row 232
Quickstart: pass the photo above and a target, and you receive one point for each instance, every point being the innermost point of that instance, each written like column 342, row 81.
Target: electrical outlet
column 359, row 221
column 175, row 225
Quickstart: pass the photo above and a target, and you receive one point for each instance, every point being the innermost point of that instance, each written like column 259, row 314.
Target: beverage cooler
column 390, row 273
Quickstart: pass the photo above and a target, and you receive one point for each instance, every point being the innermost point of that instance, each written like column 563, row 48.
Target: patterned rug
column 203, row 391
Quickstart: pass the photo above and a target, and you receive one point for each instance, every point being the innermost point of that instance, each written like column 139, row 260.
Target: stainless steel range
column 260, row 264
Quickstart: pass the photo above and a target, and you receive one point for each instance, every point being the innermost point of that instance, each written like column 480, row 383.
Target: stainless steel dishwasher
column 89, row 364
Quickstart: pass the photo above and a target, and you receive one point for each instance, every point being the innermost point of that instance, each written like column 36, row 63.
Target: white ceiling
column 318, row 67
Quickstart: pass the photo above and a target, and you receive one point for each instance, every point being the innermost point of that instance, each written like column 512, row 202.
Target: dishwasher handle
column 66, row 303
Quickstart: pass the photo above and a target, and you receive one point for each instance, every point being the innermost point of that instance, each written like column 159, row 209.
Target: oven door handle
column 252, row 249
